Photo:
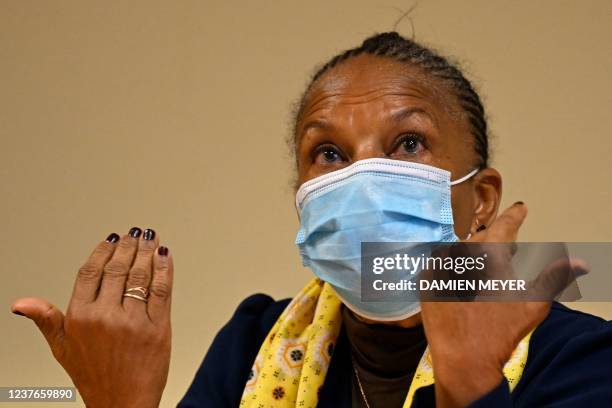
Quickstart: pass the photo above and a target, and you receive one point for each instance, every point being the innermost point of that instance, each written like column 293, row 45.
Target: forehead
column 383, row 82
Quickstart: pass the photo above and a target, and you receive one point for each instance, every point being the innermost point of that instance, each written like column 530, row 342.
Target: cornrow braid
column 393, row 45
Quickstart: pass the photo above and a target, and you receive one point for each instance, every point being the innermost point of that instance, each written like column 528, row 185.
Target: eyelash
column 419, row 138
column 322, row 148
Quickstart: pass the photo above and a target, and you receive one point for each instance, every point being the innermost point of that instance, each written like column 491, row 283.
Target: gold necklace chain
column 365, row 400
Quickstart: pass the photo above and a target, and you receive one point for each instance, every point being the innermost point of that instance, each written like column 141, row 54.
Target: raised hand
column 471, row 341
column 116, row 348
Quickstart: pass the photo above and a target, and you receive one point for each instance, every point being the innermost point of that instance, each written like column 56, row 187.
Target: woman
column 399, row 111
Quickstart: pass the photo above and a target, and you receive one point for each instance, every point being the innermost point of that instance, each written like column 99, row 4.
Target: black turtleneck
column 385, row 357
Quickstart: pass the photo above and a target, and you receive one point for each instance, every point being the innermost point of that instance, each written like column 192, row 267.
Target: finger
column 579, row 266
column 48, row 318
column 161, row 286
column 116, row 269
column 88, row 278
column 556, row 277
column 505, row 227
column 141, row 271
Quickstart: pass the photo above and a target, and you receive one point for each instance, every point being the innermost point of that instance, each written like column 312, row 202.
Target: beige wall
column 172, row 115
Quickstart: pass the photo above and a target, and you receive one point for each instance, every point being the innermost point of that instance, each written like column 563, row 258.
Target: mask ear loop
column 466, row 177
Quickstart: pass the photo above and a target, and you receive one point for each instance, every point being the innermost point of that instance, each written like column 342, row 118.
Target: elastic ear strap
column 466, row 177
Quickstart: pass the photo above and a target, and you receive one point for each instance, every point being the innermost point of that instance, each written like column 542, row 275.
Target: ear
column 487, row 197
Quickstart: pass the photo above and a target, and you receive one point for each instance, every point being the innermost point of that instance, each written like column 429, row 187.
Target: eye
column 326, row 154
column 409, row 143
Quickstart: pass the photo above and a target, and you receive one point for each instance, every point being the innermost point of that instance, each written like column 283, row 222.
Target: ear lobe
column 488, row 193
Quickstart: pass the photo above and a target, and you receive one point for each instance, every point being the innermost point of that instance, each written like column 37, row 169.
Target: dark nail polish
column 149, row 234
column 162, row 250
column 519, row 203
column 481, row 227
column 17, row 312
column 578, row 272
column 135, row 232
column 112, row 238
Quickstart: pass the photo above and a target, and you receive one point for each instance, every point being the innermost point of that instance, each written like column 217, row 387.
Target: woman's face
column 369, row 107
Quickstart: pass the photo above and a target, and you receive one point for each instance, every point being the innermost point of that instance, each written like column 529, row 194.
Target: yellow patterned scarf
column 292, row 362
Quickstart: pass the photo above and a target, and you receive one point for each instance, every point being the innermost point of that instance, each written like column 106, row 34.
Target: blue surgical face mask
column 373, row 200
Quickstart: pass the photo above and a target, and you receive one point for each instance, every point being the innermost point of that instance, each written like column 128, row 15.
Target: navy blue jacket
column 569, row 363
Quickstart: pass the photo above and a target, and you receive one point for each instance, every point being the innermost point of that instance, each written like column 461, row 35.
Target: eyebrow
column 316, row 124
column 397, row 116
column 406, row 113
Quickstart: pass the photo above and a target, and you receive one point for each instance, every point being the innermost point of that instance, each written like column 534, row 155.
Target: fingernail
column 162, row 250
column 580, row 272
column 135, row 232
column 112, row 238
column 519, row 203
column 17, row 312
column 149, row 234
column 481, row 227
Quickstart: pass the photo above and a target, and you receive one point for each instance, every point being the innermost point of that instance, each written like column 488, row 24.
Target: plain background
column 173, row 115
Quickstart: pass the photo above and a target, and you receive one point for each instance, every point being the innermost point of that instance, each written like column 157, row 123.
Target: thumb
column 556, row 277
column 48, row 318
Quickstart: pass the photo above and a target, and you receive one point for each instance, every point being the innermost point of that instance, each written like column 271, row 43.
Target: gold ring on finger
column 144, row 299
column 141, row 289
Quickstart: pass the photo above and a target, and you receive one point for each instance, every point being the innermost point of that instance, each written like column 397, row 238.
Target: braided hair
column 392, row 45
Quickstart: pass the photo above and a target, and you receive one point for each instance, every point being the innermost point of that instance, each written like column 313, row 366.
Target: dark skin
column 369, row 107
column 373, row 107
column 366, row 107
